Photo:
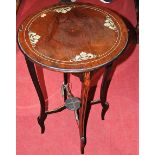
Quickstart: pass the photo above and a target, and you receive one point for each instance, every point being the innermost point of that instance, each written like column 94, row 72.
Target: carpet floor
column 116, row 135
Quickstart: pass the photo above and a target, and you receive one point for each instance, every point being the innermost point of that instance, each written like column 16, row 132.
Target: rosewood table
column 73, row 38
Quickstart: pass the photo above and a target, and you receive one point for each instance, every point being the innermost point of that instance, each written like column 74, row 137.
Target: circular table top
column 74, row 37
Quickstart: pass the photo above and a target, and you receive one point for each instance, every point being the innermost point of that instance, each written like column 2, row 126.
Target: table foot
column 41, row 123
column 83, row 143
column 104, row 110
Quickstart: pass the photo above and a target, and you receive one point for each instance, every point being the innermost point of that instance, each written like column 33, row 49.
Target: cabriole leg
column 34, row 78
column 83, row 109
column 104, row 89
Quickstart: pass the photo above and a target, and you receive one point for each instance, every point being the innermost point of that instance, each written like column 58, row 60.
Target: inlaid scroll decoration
column 63, row 10
column 43, row 15
column 83, row 56
column 110, row 24
column 34, row 38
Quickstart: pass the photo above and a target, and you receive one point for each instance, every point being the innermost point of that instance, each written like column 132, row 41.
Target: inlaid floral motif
column 109, row 23
column 63, row 10
column 83, row 56
column 33, row 38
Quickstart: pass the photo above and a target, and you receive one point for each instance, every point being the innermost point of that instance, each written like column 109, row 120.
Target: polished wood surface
column 83, row 109
column 73, row 37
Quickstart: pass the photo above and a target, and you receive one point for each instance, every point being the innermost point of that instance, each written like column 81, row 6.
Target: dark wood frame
column 81, row 115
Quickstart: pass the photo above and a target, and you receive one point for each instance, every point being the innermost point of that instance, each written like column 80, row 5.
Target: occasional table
column 73, row 38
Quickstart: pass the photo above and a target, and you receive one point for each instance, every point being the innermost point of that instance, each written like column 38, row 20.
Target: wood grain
column 83, row 109
column 56, row 36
